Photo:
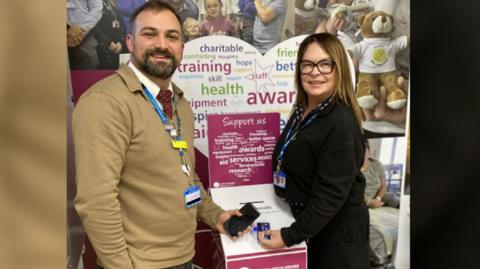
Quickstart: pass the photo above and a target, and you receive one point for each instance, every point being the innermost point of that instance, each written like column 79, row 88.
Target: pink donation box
column 240, row 151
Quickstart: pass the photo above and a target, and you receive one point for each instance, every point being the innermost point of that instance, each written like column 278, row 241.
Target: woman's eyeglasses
column 324, row 67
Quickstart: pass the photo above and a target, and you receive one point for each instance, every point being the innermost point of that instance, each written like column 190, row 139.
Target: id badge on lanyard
column 192, row 196
column 280, row 179
column 179, row 144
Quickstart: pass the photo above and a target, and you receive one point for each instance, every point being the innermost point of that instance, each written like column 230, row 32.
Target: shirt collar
column 148, row 83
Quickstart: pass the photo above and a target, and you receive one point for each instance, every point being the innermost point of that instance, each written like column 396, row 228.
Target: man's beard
column 160, row 70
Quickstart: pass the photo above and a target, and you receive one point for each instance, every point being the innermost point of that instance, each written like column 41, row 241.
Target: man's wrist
column 378, row 198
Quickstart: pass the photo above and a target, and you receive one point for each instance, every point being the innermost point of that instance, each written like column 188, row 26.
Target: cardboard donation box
column 240, row 149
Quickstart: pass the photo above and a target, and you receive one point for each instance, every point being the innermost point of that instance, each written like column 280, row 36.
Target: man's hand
column 224, row 216
column 75, row 35
column 275, row 241
column 75, row 30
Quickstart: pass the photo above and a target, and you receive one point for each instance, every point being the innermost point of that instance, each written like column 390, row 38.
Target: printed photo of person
column 215, row 23
column 110, row 35
column 230, row 9
column 344, row 19
column 269, row 22
column 339, row 17
column 184, row 9
column 308, row 14
column 248, row 11
column 126, row 8
column 191, row 29
column 82, row 16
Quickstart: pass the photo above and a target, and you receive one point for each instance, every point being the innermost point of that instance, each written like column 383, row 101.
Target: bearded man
column 138, row 195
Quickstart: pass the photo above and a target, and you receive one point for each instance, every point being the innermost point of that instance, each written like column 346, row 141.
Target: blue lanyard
column 295, row 129
column 157, row 108
column 166, row 121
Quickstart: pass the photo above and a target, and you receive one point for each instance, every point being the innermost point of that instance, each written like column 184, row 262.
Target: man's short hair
column 154, row 5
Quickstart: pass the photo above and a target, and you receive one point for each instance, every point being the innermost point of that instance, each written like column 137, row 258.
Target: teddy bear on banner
column 376, row 56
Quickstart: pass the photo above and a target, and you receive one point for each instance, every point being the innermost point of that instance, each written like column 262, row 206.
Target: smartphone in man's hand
column 236, row 224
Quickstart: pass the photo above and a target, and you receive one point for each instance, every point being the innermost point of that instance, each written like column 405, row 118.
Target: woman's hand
column 275, row 241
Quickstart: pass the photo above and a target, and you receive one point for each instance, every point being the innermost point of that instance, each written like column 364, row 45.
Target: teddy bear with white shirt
column 376, row 56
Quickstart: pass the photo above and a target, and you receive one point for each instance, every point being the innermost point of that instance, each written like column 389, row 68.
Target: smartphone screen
column 236, row 224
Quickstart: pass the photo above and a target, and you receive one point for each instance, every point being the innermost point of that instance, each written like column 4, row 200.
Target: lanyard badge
column 171, row 130
column 176, row 136
column 179, row 144
column 192, row 196
column 280, row 178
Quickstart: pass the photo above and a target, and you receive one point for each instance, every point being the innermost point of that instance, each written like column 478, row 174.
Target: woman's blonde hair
column 344, row 88
column 188, row 21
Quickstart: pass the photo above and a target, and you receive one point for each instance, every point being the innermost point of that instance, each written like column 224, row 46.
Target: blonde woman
column 317, row 162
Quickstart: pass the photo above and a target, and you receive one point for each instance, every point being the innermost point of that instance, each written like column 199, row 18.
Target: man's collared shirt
column 148, row 83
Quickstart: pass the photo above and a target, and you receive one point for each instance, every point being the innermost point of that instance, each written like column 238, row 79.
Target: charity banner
column 240, row 148
column 222, row 74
